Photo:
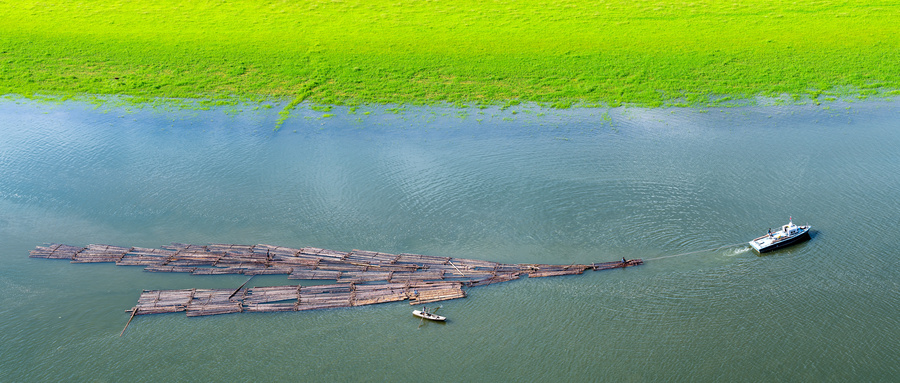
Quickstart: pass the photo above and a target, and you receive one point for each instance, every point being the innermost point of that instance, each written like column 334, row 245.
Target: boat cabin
column 790, row 229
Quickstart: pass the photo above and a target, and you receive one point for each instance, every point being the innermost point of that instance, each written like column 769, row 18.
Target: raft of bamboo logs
column 361, row 277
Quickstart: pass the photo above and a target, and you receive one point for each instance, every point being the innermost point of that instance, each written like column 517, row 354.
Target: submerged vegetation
column 501, row 52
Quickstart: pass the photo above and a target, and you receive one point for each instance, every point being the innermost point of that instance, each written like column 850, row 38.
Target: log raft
column 361, row 277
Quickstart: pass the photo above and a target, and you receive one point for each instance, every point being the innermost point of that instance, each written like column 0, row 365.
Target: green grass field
column 646, row 53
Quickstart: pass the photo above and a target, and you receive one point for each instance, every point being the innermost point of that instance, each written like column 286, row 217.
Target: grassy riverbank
column 460, row 51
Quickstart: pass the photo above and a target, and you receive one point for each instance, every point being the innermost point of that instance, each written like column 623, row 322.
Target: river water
column 518, row 185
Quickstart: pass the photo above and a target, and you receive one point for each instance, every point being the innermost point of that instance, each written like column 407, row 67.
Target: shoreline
column 311, row 117
column 363, row 52
column 282, row 105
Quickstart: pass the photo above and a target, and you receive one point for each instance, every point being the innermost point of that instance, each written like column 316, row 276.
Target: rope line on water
column 698, row 251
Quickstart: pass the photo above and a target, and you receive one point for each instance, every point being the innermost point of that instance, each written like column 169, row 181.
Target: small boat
column 424, row 314
column 788, row 235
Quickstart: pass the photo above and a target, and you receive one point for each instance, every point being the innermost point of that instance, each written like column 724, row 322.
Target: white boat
column 788, row 235
column 424, row 314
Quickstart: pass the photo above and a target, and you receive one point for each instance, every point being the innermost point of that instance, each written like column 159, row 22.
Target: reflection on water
column 541, row 186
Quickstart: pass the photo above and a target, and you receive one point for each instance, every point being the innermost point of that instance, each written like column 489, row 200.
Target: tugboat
column 788, row 235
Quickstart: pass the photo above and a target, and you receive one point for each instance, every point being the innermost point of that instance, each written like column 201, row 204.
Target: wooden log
column 230, row 261
column 140, row 261
column 324, row 296
column 182, row 297
column 606, row 265
column 554, row 273
column 310, row 250
column 429, row 296
column 455, row 267
column 407, row 267
column 161, row 310
column 292, row 260
column 189, row 262
column 177, row 247
column 474, row 263
column 100, row 253
column 163, row 301
column 379, row 288
column 370, row 257
column 364, row 276
column 139, row 256
column 272, row 270
column 143, row 251
column 240, row 287
column 270, row 307
column 246, row 264
column 56, row 251
column 260, row 295
column 229, row 248
column 332, row 266
column 320, row 306
column 197, row 256
column 401, row 277
column 470, row 276
column 133, row 313
column 421, row 259
column 276, row 250
column 47, row 251
column 431, row 284
column 497, row 278
column 505, row 268
column 361, row 256
column 332, row 288
column 311, row 303
column 261, row 253
column 385, row 258
column 213, row 309
column 170, row 269
column 314, row 274
column 218, row 270
column 248, row 254
column 617, row 264
column 212, row 302
column 381, row 298
column 333, row 254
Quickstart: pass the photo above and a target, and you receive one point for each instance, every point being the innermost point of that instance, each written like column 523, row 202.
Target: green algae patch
column 460, row 52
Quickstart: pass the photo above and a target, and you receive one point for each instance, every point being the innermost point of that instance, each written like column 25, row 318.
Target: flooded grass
column 460, row 52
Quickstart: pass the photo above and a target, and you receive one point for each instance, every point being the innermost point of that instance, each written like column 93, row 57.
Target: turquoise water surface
column 526, row 185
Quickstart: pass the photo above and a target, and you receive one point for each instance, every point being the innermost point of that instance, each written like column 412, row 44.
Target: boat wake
column 737, row 251
column 734, row 252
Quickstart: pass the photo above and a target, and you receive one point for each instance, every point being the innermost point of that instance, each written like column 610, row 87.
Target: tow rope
column 695, row 252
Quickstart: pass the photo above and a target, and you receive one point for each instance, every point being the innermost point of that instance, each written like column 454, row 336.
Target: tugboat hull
column 782, row 244
column 789, row 234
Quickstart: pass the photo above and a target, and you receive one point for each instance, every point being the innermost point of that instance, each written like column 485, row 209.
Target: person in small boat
column 623, row 260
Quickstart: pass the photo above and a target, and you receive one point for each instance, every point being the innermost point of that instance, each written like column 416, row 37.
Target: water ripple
column 669, row 186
